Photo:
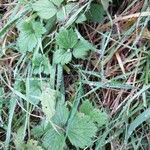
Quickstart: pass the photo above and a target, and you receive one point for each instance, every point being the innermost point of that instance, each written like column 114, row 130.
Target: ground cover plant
column 74, row 74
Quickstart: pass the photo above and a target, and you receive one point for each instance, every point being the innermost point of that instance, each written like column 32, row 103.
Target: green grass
column 72, row 77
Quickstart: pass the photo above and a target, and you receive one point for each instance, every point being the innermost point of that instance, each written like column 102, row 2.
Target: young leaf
column 58, row 56
column 32, row 144
column 30, row 32
column 26, row 42
column 66, row 39
column 45, row 9
column 81, row 131
column 48, row 101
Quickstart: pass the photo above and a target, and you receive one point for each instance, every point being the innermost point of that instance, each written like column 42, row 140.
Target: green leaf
column 1, row 99
column 12, row 107
column 39, row 130
column 44, row 8
column 105, row 3
column 20, row 86
column 65, row 11
column 81, row 18
column 41, row 64
column 99, row 117
column 81, row 131
column 63, row 57
column 85, row 42
column 86, row 107
column 34, row 91
column 80, row 50
column 57, row 2
column 53, row 140
column 96, row 13
column 48, row 101
column 138, row 121
column 58, row 56
column 61, row 116
column 66, row 39
column 26, row 42
column 66, row 58
column 33, row 145
column 30, row 32
column 19, row 138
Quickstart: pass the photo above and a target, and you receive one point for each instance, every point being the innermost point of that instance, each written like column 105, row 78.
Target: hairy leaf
column 53, row 140
column 57, row 2
column 41, row 64
column 97, row 116
column 48, row 101
column 33, row 144
column 69, row 8
column 34, row 91
column 61, row 116
column 96, row 13
column 30, row 32
column 80, row 50
column 66, row 38
column 86, row 107
column 81, row 131
column 44, row 8
column 63, row 57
